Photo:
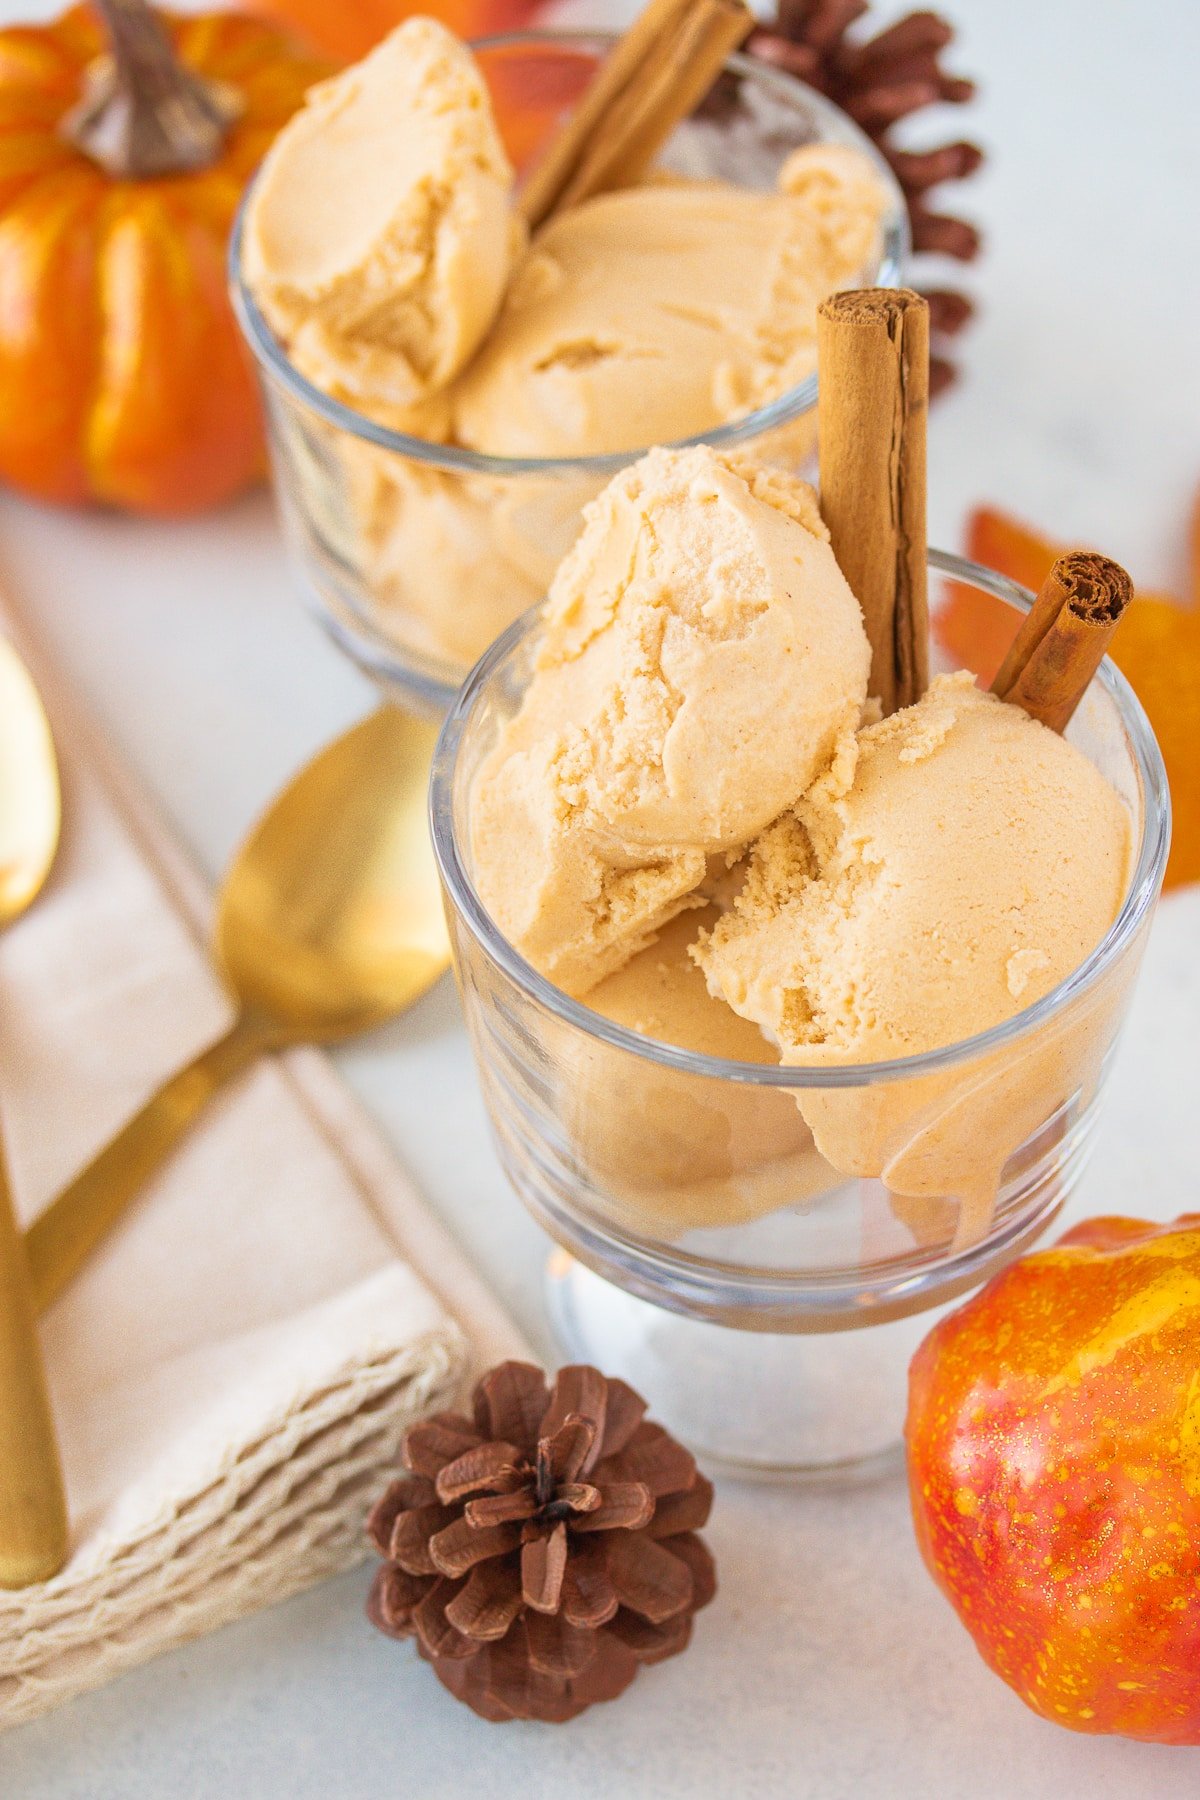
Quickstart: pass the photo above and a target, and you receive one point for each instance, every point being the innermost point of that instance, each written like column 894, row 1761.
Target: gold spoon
column 329, row 921
column 33, row 1508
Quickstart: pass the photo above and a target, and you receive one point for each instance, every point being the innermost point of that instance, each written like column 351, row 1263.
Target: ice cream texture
column 661, row 993
column 643, row 316
column 383, row 248
column 972, row 863
column 702, row 661
column 380, row 233
column 690, row 771
column 453, row 558
column 975, row 859
column 652, row 314
column 661, row 1145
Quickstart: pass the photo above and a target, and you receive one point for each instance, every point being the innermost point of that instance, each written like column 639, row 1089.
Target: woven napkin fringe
column 233, row 1463
column 288, row 1512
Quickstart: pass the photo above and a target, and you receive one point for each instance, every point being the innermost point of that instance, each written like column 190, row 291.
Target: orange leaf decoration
column 1157, row 649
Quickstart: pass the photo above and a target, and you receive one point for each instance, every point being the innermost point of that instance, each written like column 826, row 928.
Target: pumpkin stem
column 142, row 113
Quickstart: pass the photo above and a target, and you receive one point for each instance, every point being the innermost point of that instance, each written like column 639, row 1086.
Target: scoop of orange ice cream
column 668, row 1147
column 380, row 234
column 702, row 662
column 972, row 863
column 657, row 312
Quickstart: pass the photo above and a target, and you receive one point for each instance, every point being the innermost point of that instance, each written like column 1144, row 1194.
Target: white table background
column 828, row 1665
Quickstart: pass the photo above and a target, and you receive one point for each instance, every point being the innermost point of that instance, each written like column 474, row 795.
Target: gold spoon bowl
column 33, row 1511
column 30, row 803
column 329, row 922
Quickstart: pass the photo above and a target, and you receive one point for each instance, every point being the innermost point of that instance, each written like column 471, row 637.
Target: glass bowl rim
column 272, row 358
column 1144, row 884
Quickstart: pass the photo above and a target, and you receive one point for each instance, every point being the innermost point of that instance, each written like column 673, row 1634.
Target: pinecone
column 543, row 1551
column 879, row 82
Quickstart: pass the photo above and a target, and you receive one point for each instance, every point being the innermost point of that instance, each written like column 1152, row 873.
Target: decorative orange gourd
column 529, row 102
column 1054, row 1471
column 347, row 29
column 124, row 148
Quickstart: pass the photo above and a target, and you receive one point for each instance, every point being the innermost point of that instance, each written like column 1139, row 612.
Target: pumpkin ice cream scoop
column 380, row 234
column 658, row 312
column 702, row 661
column 973, row 861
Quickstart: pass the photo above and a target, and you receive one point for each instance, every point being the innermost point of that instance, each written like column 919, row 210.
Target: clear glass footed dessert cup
column 416, row 555
column 767, row 1302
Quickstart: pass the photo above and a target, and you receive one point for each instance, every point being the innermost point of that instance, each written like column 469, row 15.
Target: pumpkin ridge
column 33, row 61
column 56, row 213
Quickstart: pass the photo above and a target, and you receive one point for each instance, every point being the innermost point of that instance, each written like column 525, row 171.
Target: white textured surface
column 828, row 1666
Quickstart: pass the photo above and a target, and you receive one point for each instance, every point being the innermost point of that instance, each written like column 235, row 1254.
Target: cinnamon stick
column 1064, row 637
column 655, row 76
column 873, row 397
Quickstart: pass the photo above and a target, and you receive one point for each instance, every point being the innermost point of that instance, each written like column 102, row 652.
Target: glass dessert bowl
column 708, row 1252
column 415, row 554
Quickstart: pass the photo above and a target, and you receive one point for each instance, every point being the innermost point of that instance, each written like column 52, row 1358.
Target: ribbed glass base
column 827, row 1407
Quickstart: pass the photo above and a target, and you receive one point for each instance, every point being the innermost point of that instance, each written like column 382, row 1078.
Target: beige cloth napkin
column 235, row 1367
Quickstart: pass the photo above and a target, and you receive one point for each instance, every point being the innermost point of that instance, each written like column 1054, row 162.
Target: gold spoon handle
column 33, row 1508
column 68, row 1231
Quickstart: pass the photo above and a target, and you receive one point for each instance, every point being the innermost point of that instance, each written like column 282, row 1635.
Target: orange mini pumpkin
column 124, row 149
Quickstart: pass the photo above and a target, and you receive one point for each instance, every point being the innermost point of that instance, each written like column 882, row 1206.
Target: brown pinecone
column 541, row 1552
column 879, row 82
